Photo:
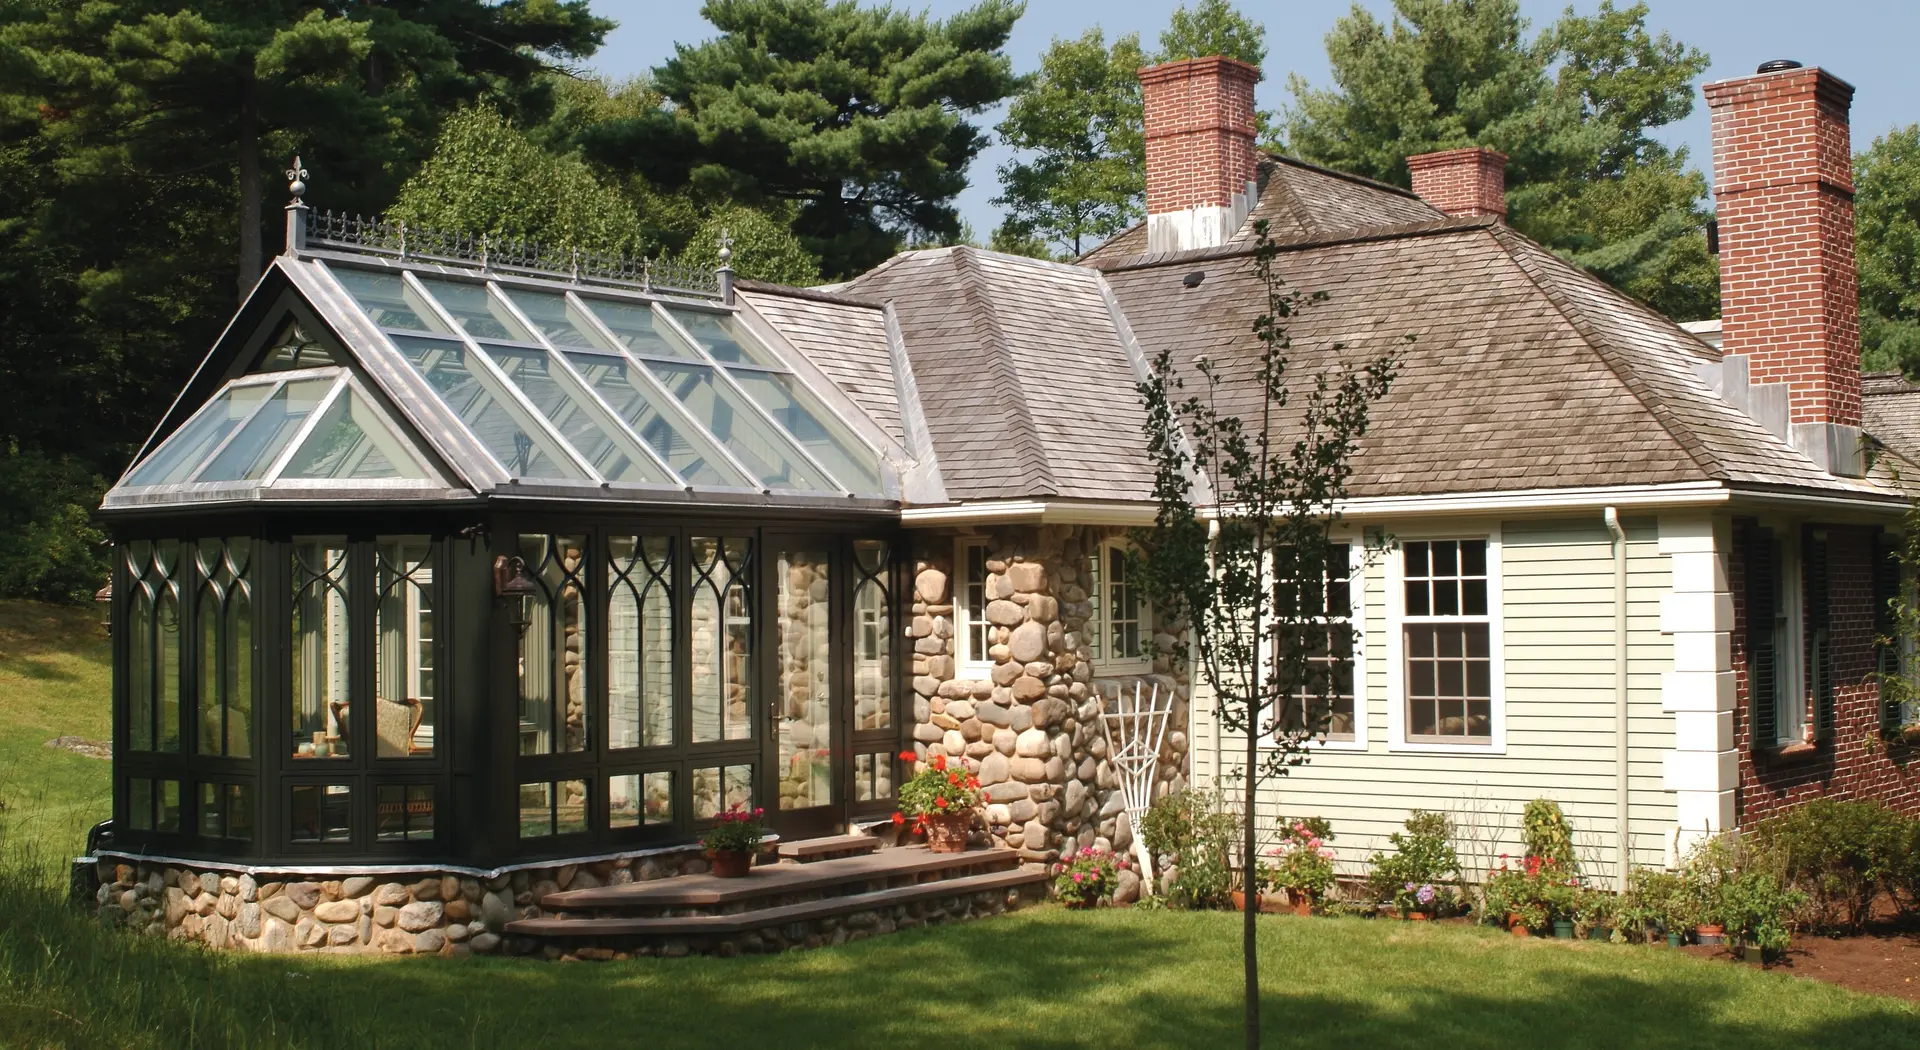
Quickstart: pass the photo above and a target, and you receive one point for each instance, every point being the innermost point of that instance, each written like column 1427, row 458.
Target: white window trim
column 1107, row 666
column 1790, row 687
column 1357, row 619
column 1396, row 599
column 966, row 662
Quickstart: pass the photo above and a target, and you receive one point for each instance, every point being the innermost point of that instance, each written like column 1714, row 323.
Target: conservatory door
column 807, row 708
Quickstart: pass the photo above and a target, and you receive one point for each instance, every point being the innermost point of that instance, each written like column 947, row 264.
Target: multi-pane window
column 1314, row 652
column 1446, row 637
column 223, row 615
column 1122, row 624
column 970, row 607
column 555, row 648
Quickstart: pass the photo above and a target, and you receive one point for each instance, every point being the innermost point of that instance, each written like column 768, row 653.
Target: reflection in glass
column 174, row 461
column 321, row 714
column 167, row 677
column 637, row 328
column 403, row 812
column 628, row 393
column 223, row 617
column 140, row 804
column 873, row 776
column 639, row 641
column 872, row 641
column 733, row 420
column 321, row 813
column 258, row 444
column 388, row 301
column 722, row 639
column 483, row 316
column 548, row 809
column 544, row 383
column 559, row 320
column 403, row 648
column 717, row 788
column 802, row 604
column 804, row 417
column 353, row 441
column 515, row 442
column 640, row 799
column 554, row 648
column 722, row 337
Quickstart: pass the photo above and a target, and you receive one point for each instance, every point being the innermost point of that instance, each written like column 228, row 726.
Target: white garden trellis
column 1134, row 732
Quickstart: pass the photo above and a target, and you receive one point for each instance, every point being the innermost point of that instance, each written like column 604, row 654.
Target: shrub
column 1086, row 877
column 1756, row 910
column 1648, row 905
column 1840, row 855
column 50, row 549
column 1191, row 829
column 1423, row 854
column 1593, row 909
column 1303, row 863
column 1548, row 835
column 1534, row 894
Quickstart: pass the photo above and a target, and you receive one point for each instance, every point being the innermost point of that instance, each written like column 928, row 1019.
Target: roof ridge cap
column 1022, row 431
column 1288, row 201
column 1611, row 357
column 1443, row 225
column 788, row 291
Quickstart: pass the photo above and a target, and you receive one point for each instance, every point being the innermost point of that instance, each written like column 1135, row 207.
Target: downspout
column 1213, row 781
column 1612, row 517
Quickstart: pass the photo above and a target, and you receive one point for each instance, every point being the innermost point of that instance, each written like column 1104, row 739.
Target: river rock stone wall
column 1028, row 719
column 412, row 913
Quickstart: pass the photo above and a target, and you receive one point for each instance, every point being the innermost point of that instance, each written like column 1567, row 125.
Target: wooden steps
column 740, row 922
column 789, row 904
column 829, row 847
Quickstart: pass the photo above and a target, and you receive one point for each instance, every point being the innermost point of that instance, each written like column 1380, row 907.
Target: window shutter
column 1761, row 659
column 1886, row 589
column 1819, row 630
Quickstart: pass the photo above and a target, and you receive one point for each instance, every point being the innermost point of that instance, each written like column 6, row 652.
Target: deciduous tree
column 1886, row 179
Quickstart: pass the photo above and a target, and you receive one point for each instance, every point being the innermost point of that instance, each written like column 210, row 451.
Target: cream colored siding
column 1557, row 602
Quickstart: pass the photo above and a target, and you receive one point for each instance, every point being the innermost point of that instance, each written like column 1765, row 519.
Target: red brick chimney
column 1201, row 180
column 1789, row 293
column 1471, row 181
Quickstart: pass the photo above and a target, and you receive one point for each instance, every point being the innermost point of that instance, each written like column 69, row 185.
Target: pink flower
column 1076, row 876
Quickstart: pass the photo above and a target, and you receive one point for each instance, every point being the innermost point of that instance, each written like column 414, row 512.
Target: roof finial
column 726, row 246
column 724, row 275
column 297, row 179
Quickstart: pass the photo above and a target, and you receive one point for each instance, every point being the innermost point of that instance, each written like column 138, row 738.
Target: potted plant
column 1593, row 914
column 940, row 801
column 1303, row 865
column 1084, row 878
column 1755, row 911
column 733, row 840
column 1416, row 902
column 1642, row 910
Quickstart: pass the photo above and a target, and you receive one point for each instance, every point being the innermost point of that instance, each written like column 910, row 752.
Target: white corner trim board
column 1702, row 768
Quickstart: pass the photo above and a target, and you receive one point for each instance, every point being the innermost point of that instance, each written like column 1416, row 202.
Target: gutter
column 1620, row 710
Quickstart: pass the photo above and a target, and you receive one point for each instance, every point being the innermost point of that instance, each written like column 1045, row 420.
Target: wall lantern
column 511, row 583
column 104, row 596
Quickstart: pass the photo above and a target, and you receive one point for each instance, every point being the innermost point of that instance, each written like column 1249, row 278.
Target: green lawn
column 1044, row 977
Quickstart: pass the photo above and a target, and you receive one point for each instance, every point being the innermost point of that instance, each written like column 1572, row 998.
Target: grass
column 1044, row 977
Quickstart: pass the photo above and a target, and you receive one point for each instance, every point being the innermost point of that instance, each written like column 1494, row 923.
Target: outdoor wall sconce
column 104, row 596
column 510, row 581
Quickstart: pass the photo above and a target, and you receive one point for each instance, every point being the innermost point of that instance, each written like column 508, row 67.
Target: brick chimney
column 1201, row 180
column 1789, row 293
column 1462, row 182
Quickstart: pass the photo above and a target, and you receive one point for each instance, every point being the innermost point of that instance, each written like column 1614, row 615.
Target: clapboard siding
column 1557, row 607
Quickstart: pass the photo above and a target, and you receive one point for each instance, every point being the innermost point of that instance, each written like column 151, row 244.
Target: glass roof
column 583, row 386
column 314, row 425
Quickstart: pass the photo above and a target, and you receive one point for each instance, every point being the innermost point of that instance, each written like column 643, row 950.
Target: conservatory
column 450, row 559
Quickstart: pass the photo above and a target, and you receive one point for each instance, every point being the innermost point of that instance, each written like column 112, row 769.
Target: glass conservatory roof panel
column 818, row 431
column 638, row 329
column 483, row 316
column 563, row 323
column 353, row 440
column 732, row 419
column 388, row 301
column 515, row 442
column 723, row 338
column 639, row 405
column 248, row 454
column 545, row 383
column 185, row 449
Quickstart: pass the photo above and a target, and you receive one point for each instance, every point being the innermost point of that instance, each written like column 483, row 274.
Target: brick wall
column 1462, row 182
column 1783, row 183
column 1855, row 763
column 1199, row 132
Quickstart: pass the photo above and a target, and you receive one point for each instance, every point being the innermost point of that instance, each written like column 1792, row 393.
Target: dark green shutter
column 1819, row 628
column 1761, row 659
column 1886, row 590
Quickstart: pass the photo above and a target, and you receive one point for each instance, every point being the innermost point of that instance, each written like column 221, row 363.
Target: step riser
column 813, row 933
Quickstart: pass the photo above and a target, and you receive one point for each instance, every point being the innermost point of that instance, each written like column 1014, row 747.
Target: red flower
column 940, row 762
column 941, row 802
column 899, row 819
column 954, row 779
column 973, row 782
column 906, row 756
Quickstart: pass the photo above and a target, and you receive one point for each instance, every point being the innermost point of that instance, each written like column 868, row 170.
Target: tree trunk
column 1248, row 940
column 249, row 149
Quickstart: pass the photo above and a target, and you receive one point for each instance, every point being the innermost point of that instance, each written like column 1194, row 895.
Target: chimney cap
column 1777, row 65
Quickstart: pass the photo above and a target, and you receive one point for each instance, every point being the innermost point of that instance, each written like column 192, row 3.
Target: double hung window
column 1447, row 642
column 1314, row 651
column 1121, row 629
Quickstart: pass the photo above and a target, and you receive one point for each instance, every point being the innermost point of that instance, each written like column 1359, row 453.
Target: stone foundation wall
column 1030, row 725
column 415, row 913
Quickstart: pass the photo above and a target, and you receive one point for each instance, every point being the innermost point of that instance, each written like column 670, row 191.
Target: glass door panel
column 804, row 690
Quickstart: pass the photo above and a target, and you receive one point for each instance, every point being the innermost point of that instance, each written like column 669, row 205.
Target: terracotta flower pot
column 1302, row 904
column 731, row 863
column 947, row 832
column 1518, row 925
column 1417, row 916
column 1710, row 933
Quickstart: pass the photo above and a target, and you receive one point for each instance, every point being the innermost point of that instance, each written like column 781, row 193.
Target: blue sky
column 1869, row 43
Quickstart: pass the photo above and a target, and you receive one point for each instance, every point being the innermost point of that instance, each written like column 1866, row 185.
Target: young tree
column 1886, row 179
column 1078, row 123
column 854, row 114
column 1212, row 27
column 1573, row 110
column 1238, row 551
